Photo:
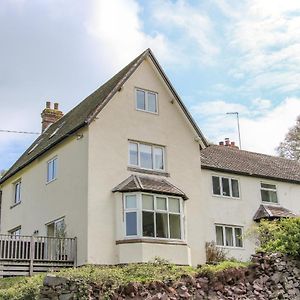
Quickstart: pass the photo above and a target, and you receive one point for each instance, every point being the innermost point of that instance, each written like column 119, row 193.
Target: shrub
column 280, row 236
column 213, row 253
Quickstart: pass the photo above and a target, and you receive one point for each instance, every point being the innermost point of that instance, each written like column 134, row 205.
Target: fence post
column 32, row 247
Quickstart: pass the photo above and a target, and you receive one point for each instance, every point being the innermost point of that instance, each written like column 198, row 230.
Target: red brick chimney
column 50, row 115
column 228, row 143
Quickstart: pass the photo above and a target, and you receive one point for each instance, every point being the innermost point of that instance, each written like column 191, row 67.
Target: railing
column 37, row 248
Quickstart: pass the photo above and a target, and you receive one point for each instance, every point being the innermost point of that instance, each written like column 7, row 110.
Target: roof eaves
column 178, row 99
column 3, row 179
column 227, row 170
column 117, row 87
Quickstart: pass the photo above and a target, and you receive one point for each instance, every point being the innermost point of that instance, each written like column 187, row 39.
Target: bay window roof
column 272, row 212
column 136, row 183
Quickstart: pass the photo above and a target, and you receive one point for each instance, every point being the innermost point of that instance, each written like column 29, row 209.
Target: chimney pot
column 227, row 142
column 50, row 116
column 221, row 143
column 232, row 144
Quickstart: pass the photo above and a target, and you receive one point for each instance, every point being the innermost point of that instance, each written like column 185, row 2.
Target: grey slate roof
column 233, row 160
column 136, row 183
column 85, row 112
column 271, row 212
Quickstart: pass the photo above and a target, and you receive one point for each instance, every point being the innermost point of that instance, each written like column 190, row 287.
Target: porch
column 28, row 255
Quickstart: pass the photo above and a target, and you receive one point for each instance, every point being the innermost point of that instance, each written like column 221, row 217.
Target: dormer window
column 146, row 101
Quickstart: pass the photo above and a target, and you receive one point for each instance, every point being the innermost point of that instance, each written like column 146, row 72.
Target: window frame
column 221, row 186
column 15, row 230
column 146, row 100
column 17, row 183
column 54, row 161
column 153, row 146
column 140, row 210
column 233, row 227
column 267, row 189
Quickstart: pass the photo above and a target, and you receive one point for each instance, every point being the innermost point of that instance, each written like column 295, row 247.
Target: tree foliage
column 280, row 236
column 290, row 147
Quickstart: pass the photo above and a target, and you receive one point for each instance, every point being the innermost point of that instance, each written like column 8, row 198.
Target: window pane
column 216, row 185
column 54, row 168
column 130, row 201
column 229, row 236
column 225, row 185
column 161, row 203
column 235, row 188
column 131, row 223
column 140, row 100
column 269, row 196
column 175, row 231
column 133, row 154
column 219, row 236
column 238, row 237
column 158, row 158
column 268, row 186
column 148, row 223
column 161, row 225
column 18, row 192
column 50, row 171
column 146, row 156
column 174, row 205
column 152, row 102
column 148, row 202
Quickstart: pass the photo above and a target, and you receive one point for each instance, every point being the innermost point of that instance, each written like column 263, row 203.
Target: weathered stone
column 52, row 280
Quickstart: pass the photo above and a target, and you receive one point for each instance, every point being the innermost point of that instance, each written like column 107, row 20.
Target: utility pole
column 238, row 125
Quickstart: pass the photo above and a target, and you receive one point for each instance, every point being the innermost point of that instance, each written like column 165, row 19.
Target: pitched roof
column 233, row 160
column 271, row 212
column 86, row 111
column 136, row 183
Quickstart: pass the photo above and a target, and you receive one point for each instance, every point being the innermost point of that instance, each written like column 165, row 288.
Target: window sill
column 48, row 182
column 16, row 204
column 270, row 203
column 231, row 248
column 226, row 197
column 151, row 172
column 151, row 241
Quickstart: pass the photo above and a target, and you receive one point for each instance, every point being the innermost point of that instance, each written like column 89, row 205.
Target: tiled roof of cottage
column 136, row 183
column 232, row 160
column 86, row 111
column 271, row 212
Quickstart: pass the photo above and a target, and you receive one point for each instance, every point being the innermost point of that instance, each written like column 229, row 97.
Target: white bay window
column 153, row 216
column 146, row 156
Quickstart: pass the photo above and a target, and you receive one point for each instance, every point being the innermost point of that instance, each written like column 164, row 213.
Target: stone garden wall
column 271, row 276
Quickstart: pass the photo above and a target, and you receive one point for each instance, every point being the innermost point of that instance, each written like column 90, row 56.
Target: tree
column 290, row 147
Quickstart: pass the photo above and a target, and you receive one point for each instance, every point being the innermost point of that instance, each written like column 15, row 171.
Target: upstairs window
column 268, row 192
column 226, row 187
column 17, row 192
column 229, row 236
column 52, row 169
column 146, row 156
column 146, row 101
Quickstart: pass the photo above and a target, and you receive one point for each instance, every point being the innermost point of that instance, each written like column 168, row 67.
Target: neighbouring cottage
column 130, row 175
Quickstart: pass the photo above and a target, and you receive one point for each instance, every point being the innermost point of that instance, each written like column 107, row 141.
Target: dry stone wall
column 272, row 276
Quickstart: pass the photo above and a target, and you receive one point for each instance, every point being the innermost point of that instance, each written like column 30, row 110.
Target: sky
column 221, row 56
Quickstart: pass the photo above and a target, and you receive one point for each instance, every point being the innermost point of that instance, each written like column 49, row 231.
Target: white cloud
column 267, row 35
column 260, row 132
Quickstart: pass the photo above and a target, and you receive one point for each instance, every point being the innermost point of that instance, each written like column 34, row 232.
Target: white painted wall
column 241, row 211
column 64, row 197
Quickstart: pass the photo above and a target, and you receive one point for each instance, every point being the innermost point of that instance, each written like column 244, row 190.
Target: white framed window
column 16, row 231
column 56, row 228
column 229, row 236
column 146, row 101
column 268, row 192
column 225, row 186
column 17, row 192
column 146, row 156
column 52, row 169
column 153, row 216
